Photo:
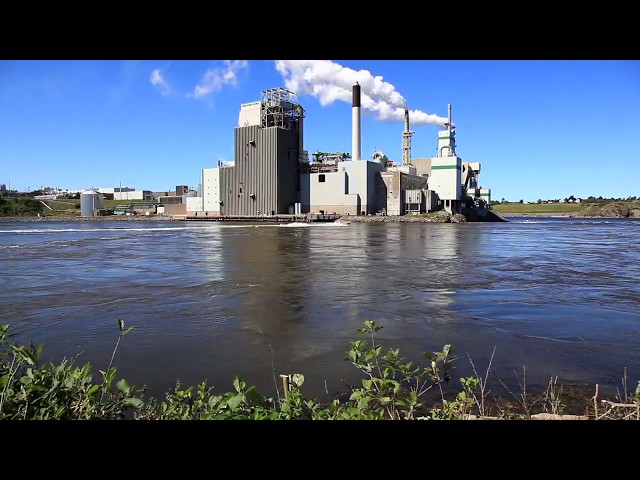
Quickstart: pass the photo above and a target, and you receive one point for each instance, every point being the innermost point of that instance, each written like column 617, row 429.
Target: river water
column 545, row 297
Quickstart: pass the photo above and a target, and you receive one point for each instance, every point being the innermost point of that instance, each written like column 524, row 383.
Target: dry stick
column 486, row 376
column 273, row 371
column 478, row 404
column 552, row 396
column 524, row 387
column 595, row 402
column 620, row 405
column 483, row 384
column 113, row 355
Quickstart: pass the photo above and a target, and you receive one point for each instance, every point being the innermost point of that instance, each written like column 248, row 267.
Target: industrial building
column 125, row 193
column 272, row 174
column 268, row 158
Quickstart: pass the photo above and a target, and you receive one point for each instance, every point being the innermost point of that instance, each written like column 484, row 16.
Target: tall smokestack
column 355, row 119
column 406, row 140
column 449, row 124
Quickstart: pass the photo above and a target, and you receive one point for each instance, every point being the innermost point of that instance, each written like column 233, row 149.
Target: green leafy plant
column 63, row 391
column 393, row 387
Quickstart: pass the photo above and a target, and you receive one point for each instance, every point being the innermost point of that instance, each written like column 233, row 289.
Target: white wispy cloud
column 157, row 80
column 216, row 78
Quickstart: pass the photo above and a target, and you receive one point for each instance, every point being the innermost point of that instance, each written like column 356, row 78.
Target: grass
column 68, row 204
column 539, row 208
column 63, row 204
column 115, row 203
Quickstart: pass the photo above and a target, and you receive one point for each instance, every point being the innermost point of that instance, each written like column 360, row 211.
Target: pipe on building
column 300, row 132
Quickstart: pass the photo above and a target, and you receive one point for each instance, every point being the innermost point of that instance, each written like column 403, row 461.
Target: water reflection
column 211, row 301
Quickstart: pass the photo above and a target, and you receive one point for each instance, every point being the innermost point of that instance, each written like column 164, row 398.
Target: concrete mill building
column 265, row 178
column 272, row 174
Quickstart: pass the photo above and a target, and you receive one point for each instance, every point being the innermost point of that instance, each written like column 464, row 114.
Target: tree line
column 19, row 206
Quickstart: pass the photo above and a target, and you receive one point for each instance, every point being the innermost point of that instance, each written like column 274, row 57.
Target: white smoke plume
column 214, row 79
column 329, row 81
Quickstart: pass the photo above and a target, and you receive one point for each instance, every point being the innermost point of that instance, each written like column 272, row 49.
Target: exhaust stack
column 452, row 140
column 406, row 140
column 355, row 121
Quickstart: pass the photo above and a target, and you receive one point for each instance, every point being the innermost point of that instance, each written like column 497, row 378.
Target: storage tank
column 90, row 201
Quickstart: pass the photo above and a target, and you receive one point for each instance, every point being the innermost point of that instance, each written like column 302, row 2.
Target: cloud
column 329, row 81
column 216, row 78
column 157, row 80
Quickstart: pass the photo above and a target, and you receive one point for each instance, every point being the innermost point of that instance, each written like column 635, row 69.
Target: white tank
column 90, row 202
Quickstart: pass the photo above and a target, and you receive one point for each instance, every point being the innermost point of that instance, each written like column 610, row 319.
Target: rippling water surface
column 208, row 301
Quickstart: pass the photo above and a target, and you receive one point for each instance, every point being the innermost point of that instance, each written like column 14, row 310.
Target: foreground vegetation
column 391, row 388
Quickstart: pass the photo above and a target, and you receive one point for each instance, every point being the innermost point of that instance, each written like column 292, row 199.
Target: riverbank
column 608, row 210
column 437, row 217
column 77, row 218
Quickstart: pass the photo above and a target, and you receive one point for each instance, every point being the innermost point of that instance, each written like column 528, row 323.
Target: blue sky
column 540, row 129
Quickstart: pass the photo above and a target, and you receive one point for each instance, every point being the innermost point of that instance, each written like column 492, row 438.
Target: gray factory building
column 265, row 177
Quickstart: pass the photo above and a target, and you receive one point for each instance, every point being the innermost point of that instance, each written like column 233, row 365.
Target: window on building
column 321, row 178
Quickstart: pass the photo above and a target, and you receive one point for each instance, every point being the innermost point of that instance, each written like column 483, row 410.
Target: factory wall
column 148, row 210
column 115, row 189
column 391, row 182
column 396, row 183
column 194, row 204
column 376, row 198
column 211, row 189
column 145, row 195
column 330, row 192
column 305, row 194
column 355, row 188
column 423, row 166
column 485, row 194
column 266, row 174
column 249, row 114
column 446, row 174
column 175, row 209
column 446, row 144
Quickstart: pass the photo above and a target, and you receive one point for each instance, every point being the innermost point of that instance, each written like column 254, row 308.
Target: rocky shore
column 610, row 210
column 437, row 217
